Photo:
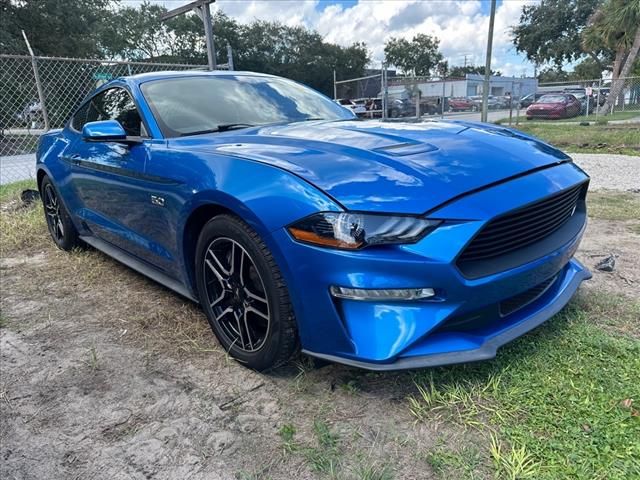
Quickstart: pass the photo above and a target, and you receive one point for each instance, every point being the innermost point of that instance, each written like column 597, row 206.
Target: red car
column 554, row 106
column 461, row 104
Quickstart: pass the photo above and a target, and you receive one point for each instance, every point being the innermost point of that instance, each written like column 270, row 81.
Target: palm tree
column 616, row 24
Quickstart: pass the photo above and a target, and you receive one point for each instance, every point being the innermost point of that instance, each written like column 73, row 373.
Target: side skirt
column 139, row 266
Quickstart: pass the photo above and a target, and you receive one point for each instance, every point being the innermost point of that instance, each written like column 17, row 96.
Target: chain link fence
column 383, row 94
column 595, row 100
column 40, row 93
column 389, row 96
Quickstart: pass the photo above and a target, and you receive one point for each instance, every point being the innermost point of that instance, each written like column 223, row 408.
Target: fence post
column 335, row 86
column 511, row 104
column 36, row 76
column 598, row 99
column 385, row 92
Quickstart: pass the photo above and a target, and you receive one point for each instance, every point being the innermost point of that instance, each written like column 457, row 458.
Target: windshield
column 192, row 105
column 551, row 99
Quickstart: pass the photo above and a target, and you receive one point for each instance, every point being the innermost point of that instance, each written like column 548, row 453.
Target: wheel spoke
column 237, row 317
column 246, row 327
column 60, row 227
column 253, row 296
column 257, row 312
column 216, row 273
column 232, row 259
column 219, row 299
column 226, row 311
column 241, row 275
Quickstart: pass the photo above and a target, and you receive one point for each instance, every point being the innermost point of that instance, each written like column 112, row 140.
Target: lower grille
column 515, row 303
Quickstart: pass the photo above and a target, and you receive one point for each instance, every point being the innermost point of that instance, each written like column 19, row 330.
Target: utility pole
column 487, row 65
column 201, row 8
column 230, row 57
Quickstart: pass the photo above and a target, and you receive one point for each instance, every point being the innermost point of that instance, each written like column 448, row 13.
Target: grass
column 20, row 228
column 557, row 403
column 463, row 462
column 614, row 205
column 620, row 139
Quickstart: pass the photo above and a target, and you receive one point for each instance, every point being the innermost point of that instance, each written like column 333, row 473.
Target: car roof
column 146, row 77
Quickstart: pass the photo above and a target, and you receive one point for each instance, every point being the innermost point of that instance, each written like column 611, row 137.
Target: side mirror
column 107, row 131
column 103, row 131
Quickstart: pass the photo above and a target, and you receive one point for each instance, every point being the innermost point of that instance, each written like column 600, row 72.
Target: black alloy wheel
column 243, row 294
column 61, row 228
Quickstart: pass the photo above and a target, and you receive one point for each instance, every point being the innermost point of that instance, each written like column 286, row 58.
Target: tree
column 297, row 53
column 552, row 74
column 418, row 56
column 473, row 69
column 616, row 24
column 551, row 32
column 53, row 27
column 587, row 69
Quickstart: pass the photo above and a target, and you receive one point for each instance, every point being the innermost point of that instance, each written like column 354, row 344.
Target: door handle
column 74, row 159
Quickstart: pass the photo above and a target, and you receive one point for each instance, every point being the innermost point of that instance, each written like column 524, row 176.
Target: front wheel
column 244, row 295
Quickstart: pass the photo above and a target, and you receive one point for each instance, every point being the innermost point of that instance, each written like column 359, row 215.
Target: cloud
column 460, row 25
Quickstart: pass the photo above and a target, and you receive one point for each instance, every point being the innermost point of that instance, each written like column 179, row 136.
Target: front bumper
column 464, row 322
column 486, row 347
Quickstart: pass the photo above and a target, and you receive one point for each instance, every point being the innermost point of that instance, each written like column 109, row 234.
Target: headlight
column 351, row 231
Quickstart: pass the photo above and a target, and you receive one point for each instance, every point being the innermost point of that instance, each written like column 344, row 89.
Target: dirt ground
column 105, row 374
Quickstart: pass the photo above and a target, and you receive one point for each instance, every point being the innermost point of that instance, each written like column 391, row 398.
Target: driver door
column 108, row 177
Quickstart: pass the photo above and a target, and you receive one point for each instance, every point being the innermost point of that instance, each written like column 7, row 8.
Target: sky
column 461, row 25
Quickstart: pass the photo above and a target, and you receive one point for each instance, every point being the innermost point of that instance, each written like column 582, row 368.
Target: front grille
column 523, row 299
column 522, row 227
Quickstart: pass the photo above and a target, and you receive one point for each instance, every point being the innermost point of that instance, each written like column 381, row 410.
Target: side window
column 112, row 104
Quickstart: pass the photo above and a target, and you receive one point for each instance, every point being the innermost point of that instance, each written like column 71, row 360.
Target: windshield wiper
column 223, row 127
column 307, row 119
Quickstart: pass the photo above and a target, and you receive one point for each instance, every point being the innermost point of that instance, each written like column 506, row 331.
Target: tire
column 61, row 228
column 245, row 300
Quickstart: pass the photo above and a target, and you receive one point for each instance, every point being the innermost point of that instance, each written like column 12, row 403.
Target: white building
column 472, row 85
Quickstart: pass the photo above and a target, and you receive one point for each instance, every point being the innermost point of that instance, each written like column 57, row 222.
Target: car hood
column 384, row 166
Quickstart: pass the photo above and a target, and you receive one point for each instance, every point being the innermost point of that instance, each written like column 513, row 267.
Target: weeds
column 373, row 471
column 512, row 464
column 92, row 361
column 287, row 432
column 465, row 462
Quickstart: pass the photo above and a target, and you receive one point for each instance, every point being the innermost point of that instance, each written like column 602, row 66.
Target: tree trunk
column 617, row 84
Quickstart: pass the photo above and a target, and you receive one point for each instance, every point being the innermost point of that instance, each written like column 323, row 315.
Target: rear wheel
column 61, row 228
column 243, row 294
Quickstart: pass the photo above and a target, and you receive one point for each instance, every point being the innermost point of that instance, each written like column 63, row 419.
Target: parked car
column 461, row 104
column 378, row 245
column 586, row 102
column 554, row 106
column 492, row 102
column 31, row 115
column 400, row 107
column 527, row 100
column 358, row 110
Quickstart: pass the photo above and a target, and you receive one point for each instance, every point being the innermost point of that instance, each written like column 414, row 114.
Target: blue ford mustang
column 379, row 245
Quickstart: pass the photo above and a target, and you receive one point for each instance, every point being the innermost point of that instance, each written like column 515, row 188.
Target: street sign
column 102, row 76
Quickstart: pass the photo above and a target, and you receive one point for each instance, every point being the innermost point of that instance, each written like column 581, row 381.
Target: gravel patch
column 610, row 172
